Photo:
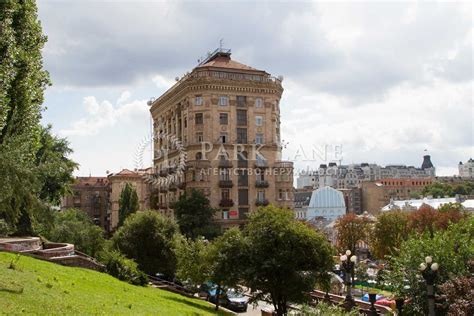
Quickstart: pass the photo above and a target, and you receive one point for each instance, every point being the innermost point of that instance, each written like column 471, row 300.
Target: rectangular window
column 280, row 194
column 258, row 102
column 223, row 100
column 261, row 195
column 199, row 137
column 243, row 178
column 241, row 101
column 241, row 136
column 258, row 120
column 259, row 139
column 198, row 119
column 241, row 117
column 185, row 122
column 225, row 194
column 198, row 100
column 223, row 118
column 223, row 139
column 243, row 197
column 224, row 174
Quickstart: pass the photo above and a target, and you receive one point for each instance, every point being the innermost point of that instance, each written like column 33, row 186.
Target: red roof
column 224, row 61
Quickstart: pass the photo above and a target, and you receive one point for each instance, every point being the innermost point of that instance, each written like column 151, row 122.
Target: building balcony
column 262, row 202
column 226, row 183
column 261, row 164
column 198, row 164
column 283, row 164
column 162, row 206
column 261, row 184
column 224, row 163
column 226, row 203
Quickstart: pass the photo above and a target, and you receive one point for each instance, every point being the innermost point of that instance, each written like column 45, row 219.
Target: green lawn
column 39, row 287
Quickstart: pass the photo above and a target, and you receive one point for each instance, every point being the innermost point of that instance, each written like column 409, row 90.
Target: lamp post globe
column 429, row 272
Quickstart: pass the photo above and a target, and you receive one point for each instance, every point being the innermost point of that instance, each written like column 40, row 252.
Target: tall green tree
column 128, row 202
column 22, row 84
column 194, row 215
column 54, row 168
column 283, row 258
column 148, row 238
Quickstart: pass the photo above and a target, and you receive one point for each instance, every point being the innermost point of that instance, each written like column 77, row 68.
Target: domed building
column 327, row 203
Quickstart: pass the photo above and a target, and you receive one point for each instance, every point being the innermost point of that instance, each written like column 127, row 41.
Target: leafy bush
column 324, row 309
column 122, row 268
column 451, row 249
column 148, row 238
column 75, row 227
column 5, row 229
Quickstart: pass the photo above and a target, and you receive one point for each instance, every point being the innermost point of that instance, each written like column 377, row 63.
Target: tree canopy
column 148, row 238
column 75, row 227
column 452, row 249
column 284, row 258
column 194, row 215
column 128, row 202
column 350, row 230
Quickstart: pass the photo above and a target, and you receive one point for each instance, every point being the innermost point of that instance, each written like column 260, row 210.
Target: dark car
column 228, row 298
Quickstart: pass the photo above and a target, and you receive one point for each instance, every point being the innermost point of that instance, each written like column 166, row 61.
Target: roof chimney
column 426, row 162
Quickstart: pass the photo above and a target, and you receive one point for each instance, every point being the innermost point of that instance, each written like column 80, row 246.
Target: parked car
column 228, row 298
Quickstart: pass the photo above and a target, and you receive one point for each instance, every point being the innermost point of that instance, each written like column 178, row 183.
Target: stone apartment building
column 466, row 170
column 227, row 117
column 99, row 196
column 377, row 194
column 351, row 176
column 90, row 194
column 117, row 183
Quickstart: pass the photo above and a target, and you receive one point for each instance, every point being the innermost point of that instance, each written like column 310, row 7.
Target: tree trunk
column 218, row 292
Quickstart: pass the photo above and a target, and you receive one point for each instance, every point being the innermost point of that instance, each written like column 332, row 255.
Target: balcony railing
column 261, row 184
column 226, row 203
column 224, row 163
column 198, row 164
column 262, row 202
column 283, row 164
column 226, row 183
column 261, row 164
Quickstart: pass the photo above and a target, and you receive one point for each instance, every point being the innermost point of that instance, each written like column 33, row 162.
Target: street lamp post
column 429, row 271
column 348, row 263
column 372, row 300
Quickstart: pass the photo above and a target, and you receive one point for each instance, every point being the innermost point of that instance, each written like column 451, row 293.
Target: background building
column 222, row 112
column 466, row 170
column 91, row 195
column 351, row 176
column 326, row 203
column 117, row 183
column 377, row 194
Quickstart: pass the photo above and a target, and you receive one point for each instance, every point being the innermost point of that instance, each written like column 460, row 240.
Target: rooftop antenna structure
column 218, row 51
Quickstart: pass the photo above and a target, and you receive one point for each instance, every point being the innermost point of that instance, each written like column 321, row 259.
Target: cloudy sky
column 383, row 80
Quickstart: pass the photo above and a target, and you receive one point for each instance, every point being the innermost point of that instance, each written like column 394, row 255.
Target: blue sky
column 383, row 80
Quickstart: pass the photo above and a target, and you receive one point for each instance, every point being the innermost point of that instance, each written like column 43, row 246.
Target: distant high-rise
column 466, row 170
column 227, row 116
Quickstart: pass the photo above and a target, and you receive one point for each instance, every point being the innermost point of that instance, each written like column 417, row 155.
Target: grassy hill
column 39, row 287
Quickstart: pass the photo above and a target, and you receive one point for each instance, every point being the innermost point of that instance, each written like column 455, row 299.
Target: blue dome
column 327, row 197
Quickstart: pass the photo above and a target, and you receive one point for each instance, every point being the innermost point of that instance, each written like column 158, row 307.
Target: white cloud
column 102, row 115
